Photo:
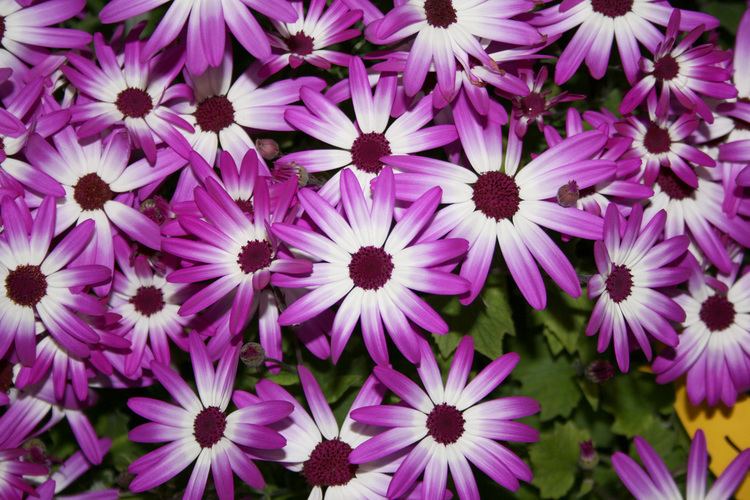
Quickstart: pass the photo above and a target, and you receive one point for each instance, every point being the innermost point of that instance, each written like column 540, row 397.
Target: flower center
column 370, row 268
column 209, row 426
column 496, row 195
column 533, row 105
column 26, row 285
column 666, row 68
column 300, row 44
column 673, row 186
column 445, row 424
column 329, row 465
column 214, row 114
column 717, row 313
column 148, row 300
column 656, row 140
column 91, row 192
column 255, row 255
column 367, row 151
column 246, row 206
column 439, row 13
column 134, row 103
column 612, row 8
column 619, row 283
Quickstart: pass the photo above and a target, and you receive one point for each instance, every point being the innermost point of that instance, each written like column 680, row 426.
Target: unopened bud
column 252, row 354
column 124, row 479
column 268, row 148
column 283, row 171
column 154, row 210
column 568, row 194
column 36, row 452
column 599, row 371
column 588, row 457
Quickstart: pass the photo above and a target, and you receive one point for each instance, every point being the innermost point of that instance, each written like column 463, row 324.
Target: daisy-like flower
column 318, row 448
column 306, row 39
column 219, row 110
column 70, row 471
column 494, row 202
column 372, row 267
column 21, row 107
column 12, row 471
column 683, row 71
column 602, row 21
column 148, row 305
column 448, row 33
column 201, row 430
column 654, row 480
column 697, row 212
column 713, row 344
column 364, row 144
column 206, row 20
column 449, row 425
column 621, row 190
column 533, row 106
column 38, row 282
column 129, row 94
column 661, row 142
column 631, row 267
column 236, row 249
column 25, row 28
column 97, row 179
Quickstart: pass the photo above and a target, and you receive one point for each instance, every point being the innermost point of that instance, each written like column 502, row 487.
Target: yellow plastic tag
column 722, row 426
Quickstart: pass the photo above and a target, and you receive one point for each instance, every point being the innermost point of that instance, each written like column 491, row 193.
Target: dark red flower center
column 717, row 313
column 619, row 283
column 612, row 8
column 25, row 285
column 247, row 207
column 148, row 300
column 209, row 426
column 134, row 103
column 255, row 255
column 214, row 114
column 300, row 44
column 445, row 424
column 496, row 195
column 370, row 268
column 666, row 68
column 367, row 151
column 673, row 186
column 329, row 465
column 533, row 105
column 439, row 13
column 656, row 140
column 91, row 192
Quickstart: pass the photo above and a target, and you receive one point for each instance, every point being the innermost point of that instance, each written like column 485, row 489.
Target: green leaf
column 564, row 319
column 284, row 377
column 635, row 400
column 549, row 380
column 554, row 459
column 728, row 12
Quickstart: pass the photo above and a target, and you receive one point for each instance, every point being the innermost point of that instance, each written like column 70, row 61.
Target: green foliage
column 555, row 459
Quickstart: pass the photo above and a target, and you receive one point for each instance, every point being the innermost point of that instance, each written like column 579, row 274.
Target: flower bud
column 252, row 354
column 599, row 371
column 568, row 194
column 588, row 457
column 268, row 148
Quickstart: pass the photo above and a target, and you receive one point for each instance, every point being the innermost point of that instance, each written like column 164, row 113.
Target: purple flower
column 130, row 93
column 654, row 480
column 683, row 71
column 364, row 144
column 318, row 448
column 69, row 472
column 631, row 267
column 38, row 282
column 663, row 142
column 602, row 21
column 200, row 430
column 449, row 426
column 206, row 35
column 148, row 306
column 697, row 212
column 26, row 28
column 494, row 202
column 371, row 266
column 306, row 39
column 12, row 471
column 450, row 31
column 713, row 344
column 235, row 249
column 532, row 107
